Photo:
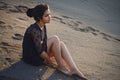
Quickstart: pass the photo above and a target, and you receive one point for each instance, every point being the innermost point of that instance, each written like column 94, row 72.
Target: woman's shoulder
column 32, row 27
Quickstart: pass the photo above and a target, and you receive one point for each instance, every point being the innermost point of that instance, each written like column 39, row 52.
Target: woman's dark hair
column 37, row 12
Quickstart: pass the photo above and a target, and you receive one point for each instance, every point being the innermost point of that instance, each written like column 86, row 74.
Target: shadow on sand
column 23, row 71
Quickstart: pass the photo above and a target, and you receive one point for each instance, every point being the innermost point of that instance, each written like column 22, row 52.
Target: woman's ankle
column 62, row 67
column 72, row 70
column 76, row 71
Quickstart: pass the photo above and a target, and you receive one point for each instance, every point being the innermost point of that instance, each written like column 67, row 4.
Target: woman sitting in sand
column 37, row 49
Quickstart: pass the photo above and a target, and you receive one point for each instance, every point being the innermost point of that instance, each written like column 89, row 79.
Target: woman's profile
column 38, row 49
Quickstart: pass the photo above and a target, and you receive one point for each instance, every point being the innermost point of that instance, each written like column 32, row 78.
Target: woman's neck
column 40, row 24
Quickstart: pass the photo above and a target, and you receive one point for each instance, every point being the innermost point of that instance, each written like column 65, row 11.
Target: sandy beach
column 98, row 13
column 96, row 52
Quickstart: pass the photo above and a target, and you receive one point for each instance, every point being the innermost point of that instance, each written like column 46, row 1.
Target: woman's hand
column 45, row 56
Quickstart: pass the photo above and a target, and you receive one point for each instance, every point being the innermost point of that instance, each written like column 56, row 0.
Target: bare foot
column 64, row 70
column 78, row 74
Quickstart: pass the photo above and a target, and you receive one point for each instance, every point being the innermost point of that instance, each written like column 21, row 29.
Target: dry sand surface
column 96, row 53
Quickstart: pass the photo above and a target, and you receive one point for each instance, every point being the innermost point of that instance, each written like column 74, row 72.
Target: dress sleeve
column 36, row 36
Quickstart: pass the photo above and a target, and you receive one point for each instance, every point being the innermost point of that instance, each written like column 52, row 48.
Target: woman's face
column 46, row 16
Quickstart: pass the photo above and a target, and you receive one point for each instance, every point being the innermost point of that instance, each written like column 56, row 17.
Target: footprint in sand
column 86, row 29
column 4, row 44
column 3, row 6
column 3, row 25
column 1, row 22
column 21, row 8
column 17, row 36
column 10, row 60
column 67, row 17
column 115, row 54
column 57, row 18
column 21, row 18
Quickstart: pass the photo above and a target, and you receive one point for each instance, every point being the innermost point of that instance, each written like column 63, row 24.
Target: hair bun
column 30, row 12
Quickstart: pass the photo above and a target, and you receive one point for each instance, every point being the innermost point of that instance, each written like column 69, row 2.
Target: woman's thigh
column 50, row 42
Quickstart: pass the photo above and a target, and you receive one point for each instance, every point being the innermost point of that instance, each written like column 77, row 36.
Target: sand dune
column 101, row 14
column 96, row 52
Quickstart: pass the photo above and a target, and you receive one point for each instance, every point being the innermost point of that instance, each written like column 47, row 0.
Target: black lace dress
column 34, row 43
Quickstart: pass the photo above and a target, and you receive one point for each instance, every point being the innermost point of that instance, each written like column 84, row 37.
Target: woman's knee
column 61, row 42
column 56, row 38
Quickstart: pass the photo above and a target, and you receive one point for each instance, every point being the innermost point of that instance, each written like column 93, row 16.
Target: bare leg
column 68, row 59
column 60, row 52
column 55, row 48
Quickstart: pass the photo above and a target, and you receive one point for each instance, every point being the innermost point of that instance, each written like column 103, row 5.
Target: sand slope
column 96, row 53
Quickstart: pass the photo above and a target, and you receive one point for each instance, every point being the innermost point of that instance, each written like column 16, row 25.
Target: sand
column 101, row 14
column 96, row 53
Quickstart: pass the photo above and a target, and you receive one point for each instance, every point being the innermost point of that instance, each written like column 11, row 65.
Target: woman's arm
column 36, row 37
column 45, row 56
